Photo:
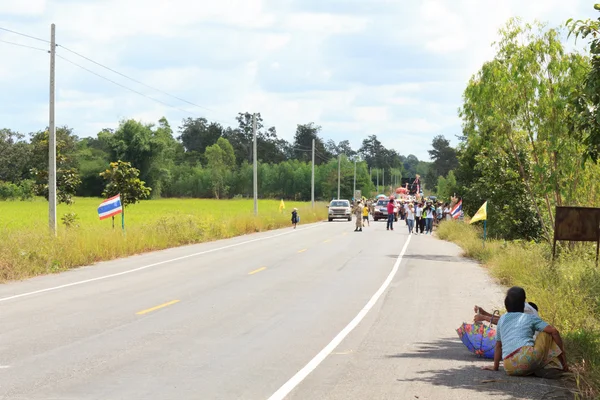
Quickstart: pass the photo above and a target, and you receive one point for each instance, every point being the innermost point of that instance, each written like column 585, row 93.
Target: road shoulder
column 408, row 347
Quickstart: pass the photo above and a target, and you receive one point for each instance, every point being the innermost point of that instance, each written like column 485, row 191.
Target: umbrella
column 479, row 338
column 381, row 195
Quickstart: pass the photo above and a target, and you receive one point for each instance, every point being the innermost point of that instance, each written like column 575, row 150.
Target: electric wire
column 24, row 45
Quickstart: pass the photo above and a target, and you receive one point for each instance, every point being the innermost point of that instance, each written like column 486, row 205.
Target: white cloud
column 394, row 69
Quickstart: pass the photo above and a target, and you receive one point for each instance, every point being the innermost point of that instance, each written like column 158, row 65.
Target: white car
column 340, row 209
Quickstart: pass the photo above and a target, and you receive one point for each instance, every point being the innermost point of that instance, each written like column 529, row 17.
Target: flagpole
column 123, row 219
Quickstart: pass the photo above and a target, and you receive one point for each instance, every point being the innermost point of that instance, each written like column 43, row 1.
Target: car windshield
column 340, row 204
column 383, row 202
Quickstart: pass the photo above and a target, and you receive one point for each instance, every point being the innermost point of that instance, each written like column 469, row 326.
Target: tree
column 517, row 110
column 123, row 179
column 220, row 160
column 147, row 148
column 15, row 156
column 587, row 100
column 67, row 176
column 444, row 160
column 305, row 133
column 197, row 134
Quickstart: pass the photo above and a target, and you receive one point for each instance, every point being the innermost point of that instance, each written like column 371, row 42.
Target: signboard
column 577, row 224
column 357, row 195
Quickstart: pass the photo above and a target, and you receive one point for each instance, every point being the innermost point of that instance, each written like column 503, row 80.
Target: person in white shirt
column 410, row 219
column 419, row 219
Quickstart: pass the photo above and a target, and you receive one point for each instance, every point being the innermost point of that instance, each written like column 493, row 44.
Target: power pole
column 377, row 170
column 52, row 138
column 354, row 186
column 255, row 165
column 383, row 179
column 312, row 176
column 339, row 166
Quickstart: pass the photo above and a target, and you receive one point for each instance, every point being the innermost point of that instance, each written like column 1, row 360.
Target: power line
column 25, row 35
column 122, row 86
column 132, row 79
column 24, row 45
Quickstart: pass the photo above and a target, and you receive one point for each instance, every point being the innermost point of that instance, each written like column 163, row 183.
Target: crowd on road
column 420, row 215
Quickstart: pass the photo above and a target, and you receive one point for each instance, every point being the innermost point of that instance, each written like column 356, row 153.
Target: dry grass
column 566, row 291
column 28, row 250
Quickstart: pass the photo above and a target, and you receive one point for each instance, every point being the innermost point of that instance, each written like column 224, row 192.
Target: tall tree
column 305, row 133
column 443, row 158
column 15, row 154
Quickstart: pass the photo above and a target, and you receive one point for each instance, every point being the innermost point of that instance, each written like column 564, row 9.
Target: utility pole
column 52, row 138
column 377, row 170
column 339, row 166
column 255, row 165
column 312, row 176
column 354, row 186
column 383, row 179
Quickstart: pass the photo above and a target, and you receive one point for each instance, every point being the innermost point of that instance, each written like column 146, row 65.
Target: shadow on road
column 436, row 257
column 472, row 377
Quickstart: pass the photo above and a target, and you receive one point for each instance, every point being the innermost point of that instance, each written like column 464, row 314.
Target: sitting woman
column 515, row 344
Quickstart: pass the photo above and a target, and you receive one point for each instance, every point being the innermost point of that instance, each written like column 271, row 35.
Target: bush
column 566, row 291
column 25, row 190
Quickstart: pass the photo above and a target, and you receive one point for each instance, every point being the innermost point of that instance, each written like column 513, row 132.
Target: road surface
column 320, row 312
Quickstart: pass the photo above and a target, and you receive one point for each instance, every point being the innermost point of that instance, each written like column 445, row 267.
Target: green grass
column 566, row 291
column 28, row 250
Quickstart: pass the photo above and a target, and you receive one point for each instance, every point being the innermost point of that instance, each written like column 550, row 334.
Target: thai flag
column 110, row 207
column 456, row 210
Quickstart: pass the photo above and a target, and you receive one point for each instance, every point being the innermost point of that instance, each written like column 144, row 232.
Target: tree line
column 531, row 133
column 201, row 159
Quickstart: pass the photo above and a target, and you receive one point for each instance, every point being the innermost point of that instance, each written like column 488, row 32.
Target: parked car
column 381, row 210
column 340, row 209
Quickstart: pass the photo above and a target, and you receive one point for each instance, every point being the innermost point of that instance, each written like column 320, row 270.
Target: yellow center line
column 257, row 270
column 157, row 307
column 327, row 241
column 302, row 251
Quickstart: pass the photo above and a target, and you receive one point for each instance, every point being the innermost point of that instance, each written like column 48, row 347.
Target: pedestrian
column 419, row 218
column 429, row 213
column 410, row 219
column 365, row 216
column 390, row 217
column 295, row 217
column 358, row 210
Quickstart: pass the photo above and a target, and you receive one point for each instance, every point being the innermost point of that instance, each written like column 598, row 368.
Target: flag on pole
column 456, row 210
column 281, row 206
column 481, row 214
column 110, row 207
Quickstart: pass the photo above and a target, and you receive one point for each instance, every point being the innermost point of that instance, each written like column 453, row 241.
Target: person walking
column 429, row 213
column 410, row 219
column 390, row 218
column 358, row 211
column 418, row 218
column 365, row 216
column 295, row 218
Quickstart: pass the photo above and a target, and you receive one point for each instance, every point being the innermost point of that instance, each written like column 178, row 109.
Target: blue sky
column 396, row 69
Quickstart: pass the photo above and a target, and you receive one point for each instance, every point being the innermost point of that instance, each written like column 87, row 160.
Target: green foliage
column 446, row 187
column 220, row 160
column 519, row 149
column 70, row 219
column 121, row 178
column 444, row 160
column 25, row 190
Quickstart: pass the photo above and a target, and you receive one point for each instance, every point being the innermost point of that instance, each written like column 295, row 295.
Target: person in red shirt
column 390, row 211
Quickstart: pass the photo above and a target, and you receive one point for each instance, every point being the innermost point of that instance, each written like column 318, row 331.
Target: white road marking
column 4, row 366
column 50, row 289
column 295, row 380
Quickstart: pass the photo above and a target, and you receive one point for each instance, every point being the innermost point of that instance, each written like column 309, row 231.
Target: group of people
column 420, row 216
column 525, row 343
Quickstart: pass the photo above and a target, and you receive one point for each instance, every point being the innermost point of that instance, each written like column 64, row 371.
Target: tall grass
column 26, row 248
column 566, row 291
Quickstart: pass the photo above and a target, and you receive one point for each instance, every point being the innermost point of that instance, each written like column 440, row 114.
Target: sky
column 392, row 68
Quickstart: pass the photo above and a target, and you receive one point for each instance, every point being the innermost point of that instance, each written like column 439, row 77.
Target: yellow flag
column 281, row 206
column 481, row 214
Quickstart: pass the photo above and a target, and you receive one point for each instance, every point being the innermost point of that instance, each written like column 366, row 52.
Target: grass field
column 27, row 249
column 566, row 292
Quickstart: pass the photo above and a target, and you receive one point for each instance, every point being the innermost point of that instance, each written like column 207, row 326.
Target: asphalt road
column 320, row 312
